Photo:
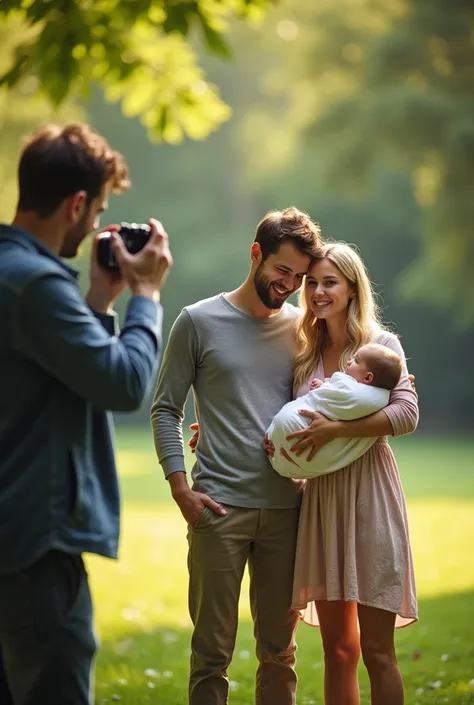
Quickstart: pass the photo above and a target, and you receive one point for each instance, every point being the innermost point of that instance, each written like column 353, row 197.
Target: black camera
column 134, row 236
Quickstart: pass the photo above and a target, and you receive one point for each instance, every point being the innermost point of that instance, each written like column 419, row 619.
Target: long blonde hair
column 363, row 320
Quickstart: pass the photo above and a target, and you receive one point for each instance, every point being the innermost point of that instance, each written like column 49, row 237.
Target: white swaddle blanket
column 339, row 398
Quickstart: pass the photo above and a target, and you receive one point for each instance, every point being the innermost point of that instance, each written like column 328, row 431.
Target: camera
column 135, row 237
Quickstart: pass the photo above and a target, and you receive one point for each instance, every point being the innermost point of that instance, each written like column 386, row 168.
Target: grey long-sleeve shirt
column 240, row 370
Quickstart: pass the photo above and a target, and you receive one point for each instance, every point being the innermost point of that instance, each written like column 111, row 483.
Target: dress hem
column 412, row 618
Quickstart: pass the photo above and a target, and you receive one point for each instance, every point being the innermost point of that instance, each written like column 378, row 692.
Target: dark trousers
column 47, row 641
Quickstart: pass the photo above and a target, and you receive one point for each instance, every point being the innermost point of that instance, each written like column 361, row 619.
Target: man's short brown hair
column 289, row 225
column 59, row 161
column 384, row 364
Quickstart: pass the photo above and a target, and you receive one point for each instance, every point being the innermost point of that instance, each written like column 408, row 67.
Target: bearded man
column 235, row 350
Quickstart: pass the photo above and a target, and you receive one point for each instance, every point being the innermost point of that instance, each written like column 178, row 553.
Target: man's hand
column 192, row 504
column 145, row 273
column 320, row 431
column 105, row 286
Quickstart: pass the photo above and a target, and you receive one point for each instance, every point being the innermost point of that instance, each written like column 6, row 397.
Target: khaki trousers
column 219, row 549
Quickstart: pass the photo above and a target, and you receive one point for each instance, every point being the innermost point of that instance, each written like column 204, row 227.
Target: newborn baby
column 360, row 391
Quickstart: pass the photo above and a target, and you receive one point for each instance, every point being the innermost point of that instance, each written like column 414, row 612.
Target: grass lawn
column 141, row 601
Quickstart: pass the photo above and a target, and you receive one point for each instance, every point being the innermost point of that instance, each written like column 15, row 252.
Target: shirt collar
column 33, row 243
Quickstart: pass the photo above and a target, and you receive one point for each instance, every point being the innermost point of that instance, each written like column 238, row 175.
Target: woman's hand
column 268, row 446
column 193, row 441
column 411, row 379
column 319, row 432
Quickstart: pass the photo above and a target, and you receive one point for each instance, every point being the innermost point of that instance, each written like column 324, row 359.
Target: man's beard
column 263, row 287
column 74, row 237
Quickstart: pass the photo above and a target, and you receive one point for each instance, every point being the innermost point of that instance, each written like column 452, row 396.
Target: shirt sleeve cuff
column 145, row 312
column 110, row 321
column 173, row 463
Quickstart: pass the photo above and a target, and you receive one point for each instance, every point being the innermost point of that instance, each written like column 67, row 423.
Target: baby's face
column 358, row 369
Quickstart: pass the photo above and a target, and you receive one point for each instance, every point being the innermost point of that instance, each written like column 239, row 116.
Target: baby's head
column 377, row 365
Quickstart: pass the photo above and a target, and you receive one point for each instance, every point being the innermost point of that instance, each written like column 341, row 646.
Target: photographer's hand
column 105, row 286
column 145, row 273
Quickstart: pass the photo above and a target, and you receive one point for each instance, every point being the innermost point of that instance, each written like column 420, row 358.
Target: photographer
column 63, row 367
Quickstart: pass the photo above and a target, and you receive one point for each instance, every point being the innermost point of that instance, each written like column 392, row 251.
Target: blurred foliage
column 211, row 194
column 140, row 51
column 383, row 81
column 21, row 110
column 210, row 205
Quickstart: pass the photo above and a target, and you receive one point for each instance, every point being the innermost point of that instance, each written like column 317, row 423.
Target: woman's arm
column 402, row 411
column 398, row 418
column 372, row 426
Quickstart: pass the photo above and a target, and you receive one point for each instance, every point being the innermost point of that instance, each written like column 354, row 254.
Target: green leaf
column 214, row 41
column 163, row 122
column 14, row 75
column 178, row 17
column 138, row 50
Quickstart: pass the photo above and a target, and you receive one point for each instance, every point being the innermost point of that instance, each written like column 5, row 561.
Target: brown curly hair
column 289, row 225
column 59, row 161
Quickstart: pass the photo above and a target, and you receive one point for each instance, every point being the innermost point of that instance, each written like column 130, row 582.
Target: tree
column 140, row 51
column 20, row 114
column 377, row 80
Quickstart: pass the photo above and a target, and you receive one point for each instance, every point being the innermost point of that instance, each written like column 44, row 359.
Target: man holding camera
column 63, row 367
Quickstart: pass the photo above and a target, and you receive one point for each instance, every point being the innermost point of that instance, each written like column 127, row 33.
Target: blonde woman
column 353, row 573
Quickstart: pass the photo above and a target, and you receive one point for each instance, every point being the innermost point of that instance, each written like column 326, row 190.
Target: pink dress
column 353, row 540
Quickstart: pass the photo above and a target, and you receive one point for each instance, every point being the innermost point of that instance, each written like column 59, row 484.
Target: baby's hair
column 384, row 364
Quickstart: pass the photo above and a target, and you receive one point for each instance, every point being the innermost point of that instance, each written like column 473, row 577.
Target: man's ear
column 76, row 206
column 255, row 253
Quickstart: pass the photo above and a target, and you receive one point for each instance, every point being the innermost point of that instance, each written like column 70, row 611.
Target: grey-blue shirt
column 62, row 369
column 240, row 369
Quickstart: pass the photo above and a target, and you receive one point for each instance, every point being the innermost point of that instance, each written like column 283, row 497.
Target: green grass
column 141, row 601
